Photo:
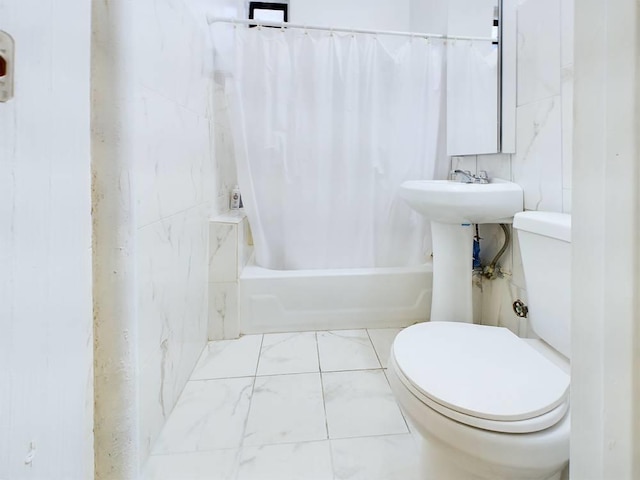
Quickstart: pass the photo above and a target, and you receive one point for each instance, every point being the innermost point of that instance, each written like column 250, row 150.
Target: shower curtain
column 326, row 127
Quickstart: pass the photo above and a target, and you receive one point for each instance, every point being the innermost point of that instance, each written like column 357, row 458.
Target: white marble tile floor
column 382, row 339
column 298, row 406
column 346, row 350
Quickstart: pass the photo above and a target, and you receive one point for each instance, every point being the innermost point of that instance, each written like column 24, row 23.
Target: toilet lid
column 481, row 371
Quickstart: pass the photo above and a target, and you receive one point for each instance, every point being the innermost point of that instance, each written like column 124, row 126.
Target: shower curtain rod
column 262, row 23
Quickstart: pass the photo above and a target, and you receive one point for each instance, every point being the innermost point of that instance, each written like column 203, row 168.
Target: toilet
column 487, row 403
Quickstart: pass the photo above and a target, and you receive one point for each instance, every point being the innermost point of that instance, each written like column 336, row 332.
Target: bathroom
column 104, row 239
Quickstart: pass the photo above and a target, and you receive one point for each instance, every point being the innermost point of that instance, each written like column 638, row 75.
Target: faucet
column 468, row 177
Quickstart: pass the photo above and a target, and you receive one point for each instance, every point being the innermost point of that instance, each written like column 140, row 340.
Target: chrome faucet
column 468, row 177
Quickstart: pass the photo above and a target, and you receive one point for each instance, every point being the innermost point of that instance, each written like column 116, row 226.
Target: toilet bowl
column 488, row 404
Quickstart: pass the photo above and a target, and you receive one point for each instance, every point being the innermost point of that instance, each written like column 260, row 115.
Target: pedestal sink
column 453, row 208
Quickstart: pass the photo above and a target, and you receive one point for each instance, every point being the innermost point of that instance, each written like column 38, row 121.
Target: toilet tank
column 545, row 245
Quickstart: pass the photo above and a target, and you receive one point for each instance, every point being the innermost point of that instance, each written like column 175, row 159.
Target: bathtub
column 272, row 301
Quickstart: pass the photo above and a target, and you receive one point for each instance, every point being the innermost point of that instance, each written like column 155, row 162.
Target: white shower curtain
column 326, row 128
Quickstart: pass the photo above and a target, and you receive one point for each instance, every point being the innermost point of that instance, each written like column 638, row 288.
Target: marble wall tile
column 171, row 168
column 537, row 165
column 497, row 165
column 223, row 252
column 172, row 311
column 155, row 397
column 174, row 173
column 224, row 146
column 224, row 315
column 173, row 282
column 173, row 35
column 229, row 249
column 538, row 65
column 229, row 252
column 174, row 170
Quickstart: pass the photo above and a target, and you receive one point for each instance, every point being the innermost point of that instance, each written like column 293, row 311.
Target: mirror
column 480, row 111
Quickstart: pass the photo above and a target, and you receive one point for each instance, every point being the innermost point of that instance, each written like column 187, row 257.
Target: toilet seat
column 501, row 383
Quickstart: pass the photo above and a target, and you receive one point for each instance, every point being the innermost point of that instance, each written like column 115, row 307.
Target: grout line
column 220, row 378
column 394, row 397
column 324, row 408
column 375, row 350
column 380, row 435
column 355, row 370
column 255, row 372
column 324, row 403
column 246, row 420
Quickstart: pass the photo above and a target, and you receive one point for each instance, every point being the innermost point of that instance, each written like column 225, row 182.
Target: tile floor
column 291, row 406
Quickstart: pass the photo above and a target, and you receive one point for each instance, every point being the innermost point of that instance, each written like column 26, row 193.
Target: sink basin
column 452, row 202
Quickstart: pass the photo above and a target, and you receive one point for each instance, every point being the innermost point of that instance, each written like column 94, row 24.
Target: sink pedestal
column 452, row 207
column 452, row 270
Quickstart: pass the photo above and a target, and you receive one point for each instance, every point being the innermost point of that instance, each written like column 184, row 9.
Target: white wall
column 428, row 16
column 401, row 15
column 46, row 345
column 372, row 14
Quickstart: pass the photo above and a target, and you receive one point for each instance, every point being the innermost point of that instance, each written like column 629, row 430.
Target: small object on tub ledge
column 235, row 202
